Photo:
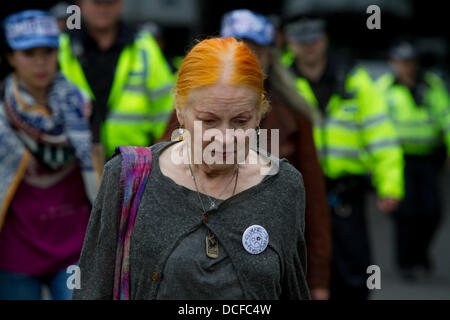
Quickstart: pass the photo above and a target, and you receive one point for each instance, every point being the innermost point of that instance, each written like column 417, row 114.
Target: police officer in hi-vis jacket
column 356, row 143
column 419, row 107
column 123, row 71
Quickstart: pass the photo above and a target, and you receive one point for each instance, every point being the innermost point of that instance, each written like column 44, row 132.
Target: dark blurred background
column 183, row 21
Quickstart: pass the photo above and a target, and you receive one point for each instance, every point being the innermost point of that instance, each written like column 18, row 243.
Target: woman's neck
column 39, row 95
column 205, row 172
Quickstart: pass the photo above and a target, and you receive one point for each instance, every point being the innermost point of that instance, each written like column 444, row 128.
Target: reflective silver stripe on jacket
column 346, row 124
column 356, row 126
column 151, row 94
column 163, row 116
column 382, row 144
column 408, row 124
column 375, row 120
column 338, row 152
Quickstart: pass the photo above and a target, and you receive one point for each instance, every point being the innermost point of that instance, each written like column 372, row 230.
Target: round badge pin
column 255, row 239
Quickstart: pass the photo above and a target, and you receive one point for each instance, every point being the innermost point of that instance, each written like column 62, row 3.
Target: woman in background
column 48, row 182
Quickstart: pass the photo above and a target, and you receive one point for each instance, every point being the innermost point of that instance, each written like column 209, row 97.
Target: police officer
column 419, row 106
column 125, row 74
column 290, row 115
column 355, row 141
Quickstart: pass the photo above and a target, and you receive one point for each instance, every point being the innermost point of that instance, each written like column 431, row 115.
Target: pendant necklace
column 212, row 243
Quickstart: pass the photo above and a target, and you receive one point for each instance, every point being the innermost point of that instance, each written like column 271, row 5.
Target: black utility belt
column 342, row 192
column 358, row 183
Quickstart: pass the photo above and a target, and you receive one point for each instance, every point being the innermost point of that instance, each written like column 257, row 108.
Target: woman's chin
column 221, row 166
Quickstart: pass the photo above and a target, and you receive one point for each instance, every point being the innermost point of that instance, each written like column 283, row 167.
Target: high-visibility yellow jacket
column 287, row 58
column 422, row 125
column 140, row 100
column 354, row 136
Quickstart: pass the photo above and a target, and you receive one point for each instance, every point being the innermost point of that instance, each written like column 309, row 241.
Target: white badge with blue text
column 255, row 239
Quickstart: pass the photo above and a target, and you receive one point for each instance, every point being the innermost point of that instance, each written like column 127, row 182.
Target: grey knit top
column 170, row 216
column 190, row 274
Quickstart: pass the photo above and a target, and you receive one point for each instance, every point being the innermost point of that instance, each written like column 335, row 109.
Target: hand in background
column 87, row 110
column 387, row 205
column 320, row 294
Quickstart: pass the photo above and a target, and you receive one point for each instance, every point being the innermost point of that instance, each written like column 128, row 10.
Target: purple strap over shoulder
column 136, row 165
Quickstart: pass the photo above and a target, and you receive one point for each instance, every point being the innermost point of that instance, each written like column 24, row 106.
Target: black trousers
column 351, row 249
column 420, row 212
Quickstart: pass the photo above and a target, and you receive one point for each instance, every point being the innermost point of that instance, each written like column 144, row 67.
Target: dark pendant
column 212, row 246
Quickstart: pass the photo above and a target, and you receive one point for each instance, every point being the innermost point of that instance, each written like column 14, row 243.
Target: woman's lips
column 223, row 154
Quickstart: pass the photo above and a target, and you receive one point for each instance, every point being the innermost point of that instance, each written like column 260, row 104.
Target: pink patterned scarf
column 136, row 165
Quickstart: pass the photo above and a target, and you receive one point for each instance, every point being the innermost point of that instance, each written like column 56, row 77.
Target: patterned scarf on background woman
column 55, row 135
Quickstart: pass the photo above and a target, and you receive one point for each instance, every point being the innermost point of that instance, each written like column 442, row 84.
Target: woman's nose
column 41, row 59
column 226, row 136
column 223, row 137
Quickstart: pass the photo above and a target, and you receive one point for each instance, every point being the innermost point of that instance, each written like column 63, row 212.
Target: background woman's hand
column 387, row 204
column 320, row 294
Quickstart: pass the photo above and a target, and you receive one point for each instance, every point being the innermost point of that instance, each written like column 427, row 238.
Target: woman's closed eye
column 209, row 121
column 241, row 121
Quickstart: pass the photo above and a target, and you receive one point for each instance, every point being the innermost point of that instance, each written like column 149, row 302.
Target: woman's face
column 218, row 108
column 36, row 67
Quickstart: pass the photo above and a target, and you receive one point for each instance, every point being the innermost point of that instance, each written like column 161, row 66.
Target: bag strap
column 135, row 169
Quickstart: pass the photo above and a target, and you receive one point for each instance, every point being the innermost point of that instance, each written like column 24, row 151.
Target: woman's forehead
column 223, row 97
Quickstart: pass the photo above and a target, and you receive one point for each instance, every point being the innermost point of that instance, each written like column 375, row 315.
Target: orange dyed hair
column 220, row 60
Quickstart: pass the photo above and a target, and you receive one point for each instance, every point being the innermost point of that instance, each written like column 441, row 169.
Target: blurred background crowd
column 188, row 20
column 373, row 104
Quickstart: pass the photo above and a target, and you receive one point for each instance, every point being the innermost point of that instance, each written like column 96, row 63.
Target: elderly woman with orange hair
column 206, row 229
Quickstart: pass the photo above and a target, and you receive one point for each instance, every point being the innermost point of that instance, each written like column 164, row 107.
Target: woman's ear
column 262, row 110
column 180, row 116
column 258, row 118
